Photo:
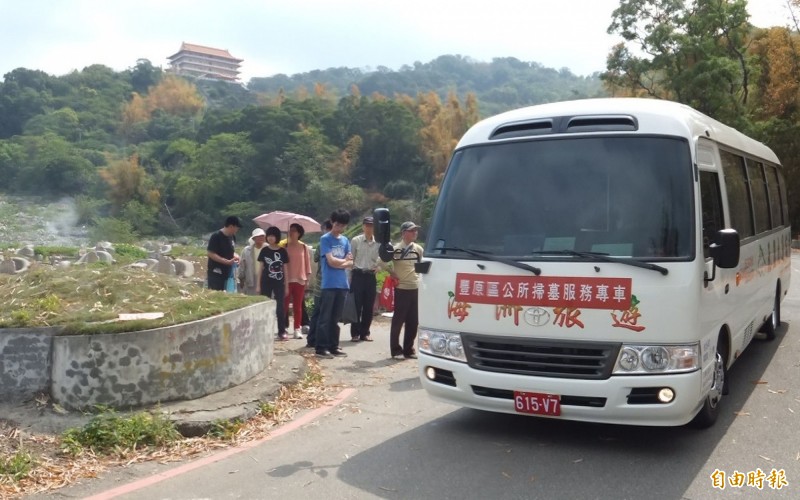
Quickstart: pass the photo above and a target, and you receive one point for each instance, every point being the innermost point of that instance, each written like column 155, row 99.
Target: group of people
column 268, row 266
column 282, row 270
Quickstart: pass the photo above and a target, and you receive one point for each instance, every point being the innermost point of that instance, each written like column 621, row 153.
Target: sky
column 295, row 36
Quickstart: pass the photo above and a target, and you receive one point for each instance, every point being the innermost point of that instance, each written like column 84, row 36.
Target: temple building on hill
column 205, row 62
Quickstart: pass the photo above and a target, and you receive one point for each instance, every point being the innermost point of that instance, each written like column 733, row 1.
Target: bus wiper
column 604, row 257
column 490, row 256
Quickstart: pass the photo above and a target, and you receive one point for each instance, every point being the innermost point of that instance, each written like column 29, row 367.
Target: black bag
column 349, row 313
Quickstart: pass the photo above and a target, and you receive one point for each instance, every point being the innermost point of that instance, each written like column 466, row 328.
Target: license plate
column 537, row 403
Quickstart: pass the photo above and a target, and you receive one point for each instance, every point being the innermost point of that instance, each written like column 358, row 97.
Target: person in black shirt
column 272, row 262
column 222, row 254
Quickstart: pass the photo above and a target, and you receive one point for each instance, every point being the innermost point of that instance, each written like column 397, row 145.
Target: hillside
column 502, row 84
column 141, row 152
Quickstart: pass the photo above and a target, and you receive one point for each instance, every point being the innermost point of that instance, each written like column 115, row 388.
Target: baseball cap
column 367, row 220
column 233, row 221
column 258, row 232
column 408, row 226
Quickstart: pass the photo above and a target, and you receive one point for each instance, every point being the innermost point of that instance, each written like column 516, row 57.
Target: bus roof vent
column 523, row 129
column 600, row 123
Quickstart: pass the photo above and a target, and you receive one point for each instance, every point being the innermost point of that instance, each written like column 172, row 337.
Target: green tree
column 51, row 165
column 12, row 156
column 142, row 217
column 96, row 94
column 63, row 122
column 390, row 141
column 23, row 94
column 694, row 52
column 215, row 177
column 178, row 154
column 312, row 177
column 144, row 75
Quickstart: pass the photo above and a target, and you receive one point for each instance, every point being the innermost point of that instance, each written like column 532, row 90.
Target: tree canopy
column 154, row 153
column 706, row 54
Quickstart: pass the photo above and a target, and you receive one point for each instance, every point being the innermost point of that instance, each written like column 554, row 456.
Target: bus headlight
column 441, row 343
column 628, row 359
column 650, row 359
column 655, row 358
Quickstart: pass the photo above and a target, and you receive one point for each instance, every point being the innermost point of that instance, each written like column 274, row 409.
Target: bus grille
column 542, row 358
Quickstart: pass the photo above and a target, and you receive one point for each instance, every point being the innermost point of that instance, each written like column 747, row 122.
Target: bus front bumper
column 623, row 400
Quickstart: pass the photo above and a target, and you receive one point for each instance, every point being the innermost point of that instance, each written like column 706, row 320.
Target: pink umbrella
column 282, row 220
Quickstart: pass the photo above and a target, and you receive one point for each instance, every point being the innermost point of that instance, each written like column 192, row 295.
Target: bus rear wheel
column 710, row 411
column 771, row 326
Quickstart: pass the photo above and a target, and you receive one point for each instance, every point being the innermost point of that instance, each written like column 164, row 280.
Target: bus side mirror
column 380, row 218
column 725, row 249
column 383, row 229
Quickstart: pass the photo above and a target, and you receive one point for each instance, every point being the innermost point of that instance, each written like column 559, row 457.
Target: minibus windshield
column 624, row 196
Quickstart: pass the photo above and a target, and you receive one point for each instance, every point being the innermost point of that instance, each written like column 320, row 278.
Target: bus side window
column 712, row 208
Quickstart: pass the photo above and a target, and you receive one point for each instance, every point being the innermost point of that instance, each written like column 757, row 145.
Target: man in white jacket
column 248, row 265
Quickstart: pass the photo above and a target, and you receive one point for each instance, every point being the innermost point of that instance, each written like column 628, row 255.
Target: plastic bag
column 387, row 294
column 230, row 285
column 349, row 313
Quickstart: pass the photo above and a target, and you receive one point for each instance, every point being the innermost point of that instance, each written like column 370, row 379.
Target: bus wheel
column 772, row 324
column 710, row 410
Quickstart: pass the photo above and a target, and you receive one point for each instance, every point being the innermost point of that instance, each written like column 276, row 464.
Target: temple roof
column 209, row 51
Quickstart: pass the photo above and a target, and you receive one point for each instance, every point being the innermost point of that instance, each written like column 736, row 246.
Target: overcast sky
column 293, row 36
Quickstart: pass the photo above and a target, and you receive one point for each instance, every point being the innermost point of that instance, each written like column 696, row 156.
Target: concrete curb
column 192, row 417
column 196, row 417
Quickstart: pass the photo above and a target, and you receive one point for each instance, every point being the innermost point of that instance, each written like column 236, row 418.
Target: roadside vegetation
column 43, row 463
column 109, row 432
column 17, row 465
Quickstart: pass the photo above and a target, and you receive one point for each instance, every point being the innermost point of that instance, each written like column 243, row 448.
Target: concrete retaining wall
column 25, row 361
column 122, row 370
column 179, row 362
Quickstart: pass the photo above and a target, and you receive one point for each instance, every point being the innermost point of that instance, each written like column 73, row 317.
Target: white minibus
column 601, row 260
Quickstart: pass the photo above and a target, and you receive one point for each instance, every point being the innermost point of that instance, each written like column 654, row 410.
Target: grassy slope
column 87, row 299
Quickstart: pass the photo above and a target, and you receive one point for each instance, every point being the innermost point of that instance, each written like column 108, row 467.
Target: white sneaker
column 298, row 334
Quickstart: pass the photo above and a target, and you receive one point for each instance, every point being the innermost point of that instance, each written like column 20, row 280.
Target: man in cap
column 222, row 253
column 406, row 298
column 363, row 284
column 248, row 266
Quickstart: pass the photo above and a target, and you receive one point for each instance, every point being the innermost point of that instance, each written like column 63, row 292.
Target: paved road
column 389, row 440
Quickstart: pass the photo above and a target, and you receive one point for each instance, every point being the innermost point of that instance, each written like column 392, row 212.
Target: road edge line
column 216, row 457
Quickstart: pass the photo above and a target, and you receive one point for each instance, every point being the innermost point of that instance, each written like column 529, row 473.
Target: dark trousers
column 312, row 323
column 275, row 289
column 364, row 290
column 305, row 321
column 406, row 312
column 331, row 303
column 216, row 281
